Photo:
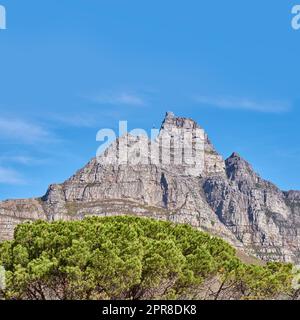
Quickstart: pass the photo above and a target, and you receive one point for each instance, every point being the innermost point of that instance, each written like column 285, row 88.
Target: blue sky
column 69, row 68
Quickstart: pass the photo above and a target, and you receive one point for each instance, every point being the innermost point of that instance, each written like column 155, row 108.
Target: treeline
column 132, row 258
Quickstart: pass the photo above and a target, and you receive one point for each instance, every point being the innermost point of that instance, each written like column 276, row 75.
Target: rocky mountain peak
column 235, row 156
column 179, row 127
column 171, row 122
column 238, row 169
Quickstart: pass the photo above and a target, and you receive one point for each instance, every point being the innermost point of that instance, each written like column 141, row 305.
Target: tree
column 131, row 258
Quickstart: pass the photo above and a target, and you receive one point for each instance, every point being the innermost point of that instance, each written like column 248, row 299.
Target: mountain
column 226, row 198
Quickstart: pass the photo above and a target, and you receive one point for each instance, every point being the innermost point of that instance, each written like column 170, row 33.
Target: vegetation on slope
column 131, row 258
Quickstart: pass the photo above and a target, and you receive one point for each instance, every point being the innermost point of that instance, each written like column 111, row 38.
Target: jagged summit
column 237, row 168
column 226, row 198
column 235, row 155
column 171, row 121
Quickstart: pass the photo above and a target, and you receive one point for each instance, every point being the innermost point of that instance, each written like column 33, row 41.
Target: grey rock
column 263, row 218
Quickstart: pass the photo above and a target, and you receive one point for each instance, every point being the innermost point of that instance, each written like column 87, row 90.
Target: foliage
column 131, row 258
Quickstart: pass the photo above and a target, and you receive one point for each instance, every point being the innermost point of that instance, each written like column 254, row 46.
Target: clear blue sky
column 69, row 68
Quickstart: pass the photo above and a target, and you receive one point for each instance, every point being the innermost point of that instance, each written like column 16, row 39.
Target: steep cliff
column 265, row 219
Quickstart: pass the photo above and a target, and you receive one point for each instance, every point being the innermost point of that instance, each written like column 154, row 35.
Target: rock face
column 265, row 219
column 195, row 185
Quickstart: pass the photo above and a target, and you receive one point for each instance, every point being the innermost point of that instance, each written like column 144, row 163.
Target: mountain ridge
column 224, row 197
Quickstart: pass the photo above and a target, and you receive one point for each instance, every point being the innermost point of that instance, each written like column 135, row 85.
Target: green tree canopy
column 131, row 258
